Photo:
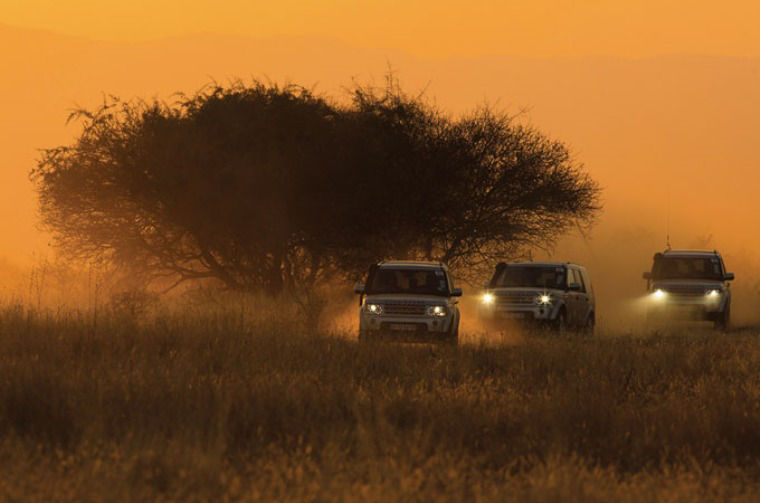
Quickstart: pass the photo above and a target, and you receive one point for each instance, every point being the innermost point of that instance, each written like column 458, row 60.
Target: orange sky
column 428, row 28
column 661, row 100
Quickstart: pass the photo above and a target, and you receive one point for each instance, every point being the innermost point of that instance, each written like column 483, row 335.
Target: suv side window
column 587, row 281
column 449, row 280
column 722, row 266
column 571, row 277
column 580, row 280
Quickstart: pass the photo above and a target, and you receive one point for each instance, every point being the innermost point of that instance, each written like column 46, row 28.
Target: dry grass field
column 205, row 407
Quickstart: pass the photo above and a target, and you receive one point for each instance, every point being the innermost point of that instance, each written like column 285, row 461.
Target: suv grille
column 516, row 298
column 685, row 291
column 411, row 308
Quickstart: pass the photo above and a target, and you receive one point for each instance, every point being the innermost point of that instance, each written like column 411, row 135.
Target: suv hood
column 522, row 290
column 381, row 298
column 693, row 285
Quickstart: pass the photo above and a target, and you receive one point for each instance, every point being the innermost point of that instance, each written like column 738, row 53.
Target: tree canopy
column 268, row 187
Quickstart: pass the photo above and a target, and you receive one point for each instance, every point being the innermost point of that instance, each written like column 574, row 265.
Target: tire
column 723, row 319
column 590, row 326
column 452, row 338
column 559, row 324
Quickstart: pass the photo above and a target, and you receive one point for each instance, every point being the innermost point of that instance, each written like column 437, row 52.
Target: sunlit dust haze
column 659, row 99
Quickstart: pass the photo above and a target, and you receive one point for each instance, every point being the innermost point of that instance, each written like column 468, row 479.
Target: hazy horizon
column 426, row 28
column 668, row 137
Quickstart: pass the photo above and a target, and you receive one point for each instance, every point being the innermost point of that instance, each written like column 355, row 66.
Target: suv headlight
column 713, row 295
column 436, row 311
column 374, row 308
column 544, row 299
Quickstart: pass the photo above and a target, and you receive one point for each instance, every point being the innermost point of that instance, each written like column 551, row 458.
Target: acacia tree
column 475, row 190
column 274, row 188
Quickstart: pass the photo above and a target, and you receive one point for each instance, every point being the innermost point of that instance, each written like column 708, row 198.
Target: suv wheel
column 588, row 328
column 452, row 337
column 559, row 325
column 723, row 319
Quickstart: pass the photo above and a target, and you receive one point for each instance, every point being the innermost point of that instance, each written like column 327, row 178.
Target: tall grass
column 197, row 406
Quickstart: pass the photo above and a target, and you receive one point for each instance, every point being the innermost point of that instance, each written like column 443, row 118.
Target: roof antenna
column 667, row 228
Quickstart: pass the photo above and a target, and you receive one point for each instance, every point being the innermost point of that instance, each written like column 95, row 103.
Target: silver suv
column 413, row 301
column 689, row 284
column 557, row 294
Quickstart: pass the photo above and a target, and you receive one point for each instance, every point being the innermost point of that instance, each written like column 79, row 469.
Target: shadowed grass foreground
column 203, row 408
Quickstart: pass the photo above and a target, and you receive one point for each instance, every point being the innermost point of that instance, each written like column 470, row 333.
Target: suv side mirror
column 729, row 276
column 574, row 287
column 456, row 292
column 359, row 289
column 647, row 275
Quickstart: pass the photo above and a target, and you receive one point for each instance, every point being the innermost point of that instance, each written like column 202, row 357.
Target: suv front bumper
column 525, row 313
column 685, row 310
column 405, row 324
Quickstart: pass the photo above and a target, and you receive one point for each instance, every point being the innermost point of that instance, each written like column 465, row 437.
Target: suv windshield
column 415, row 281
column 687, row 268
column 530, row 277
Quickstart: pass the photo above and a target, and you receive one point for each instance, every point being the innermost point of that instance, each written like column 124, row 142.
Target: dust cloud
column 619, row 251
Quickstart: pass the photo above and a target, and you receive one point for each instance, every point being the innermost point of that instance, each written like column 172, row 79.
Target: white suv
column 689, row 284
column 559, row 295
column 413, row 301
